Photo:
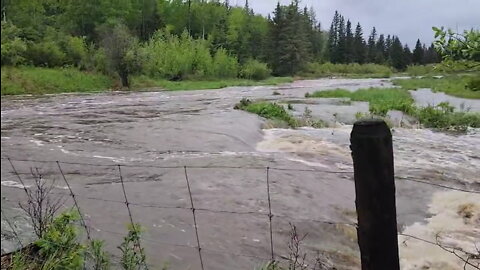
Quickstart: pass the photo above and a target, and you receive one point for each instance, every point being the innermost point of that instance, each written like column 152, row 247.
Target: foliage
column 420, row 70
column 13, row 46
column 97, row 256
column 381, row 100
column 455, row 85
column 456, row 46
column 442, row 116
column 146, row 82
column 57, row 249
column 133, row 255
column 473, row 84
column 121, row 49
column 254, row 70
column 267, row 110
column 329, row 69
column 36, row 80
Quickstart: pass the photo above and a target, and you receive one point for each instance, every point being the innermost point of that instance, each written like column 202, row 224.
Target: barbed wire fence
column 269, row 217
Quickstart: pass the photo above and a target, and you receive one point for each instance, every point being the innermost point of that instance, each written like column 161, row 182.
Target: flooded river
column 226, row 152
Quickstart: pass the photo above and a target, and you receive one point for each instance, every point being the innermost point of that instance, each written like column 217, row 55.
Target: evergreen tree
column 380, row 50
column 388, row 46
column 371, row 50
column 342, row 36
column 418, row 54
column 407, row 55
column 359, row 45
column 397, row 58
column 333, row 38
column 349, row 42
column 431, row 56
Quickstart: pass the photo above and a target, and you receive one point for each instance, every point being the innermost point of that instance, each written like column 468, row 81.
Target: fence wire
column 270, row 215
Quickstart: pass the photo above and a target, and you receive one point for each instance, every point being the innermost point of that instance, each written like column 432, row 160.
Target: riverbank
column 38, row 81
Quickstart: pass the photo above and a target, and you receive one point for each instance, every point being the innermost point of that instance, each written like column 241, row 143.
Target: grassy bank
column 381, row 100
column 35, row 80
column 353, row 70
column 455, row 85
column 146, row 82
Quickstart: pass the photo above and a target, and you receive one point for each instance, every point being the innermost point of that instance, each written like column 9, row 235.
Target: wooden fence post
column 372, row 153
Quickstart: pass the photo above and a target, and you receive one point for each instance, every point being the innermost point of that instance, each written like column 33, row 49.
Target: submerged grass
column 36, row 80
column 146, row 82
column 382, row 100
column 278, row 114
column 456, row 85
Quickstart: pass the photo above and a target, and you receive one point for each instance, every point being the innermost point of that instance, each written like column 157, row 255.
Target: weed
column 133, row 255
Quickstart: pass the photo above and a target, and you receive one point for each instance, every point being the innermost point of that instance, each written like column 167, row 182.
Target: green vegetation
column 382, row 100
column 59, row 248
column 456, row 85
column 348, row 70
column 277, row 113
column 182, row 41
column 146, row 82
column 37, row 80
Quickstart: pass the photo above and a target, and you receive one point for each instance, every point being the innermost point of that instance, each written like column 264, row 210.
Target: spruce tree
column 333, row 38
column 397, row 58
column 418, row 54
column 380, row 50
column 371, row 50
column 342, row 36
column 358, row 45
column 349, row 49
column 407, row 55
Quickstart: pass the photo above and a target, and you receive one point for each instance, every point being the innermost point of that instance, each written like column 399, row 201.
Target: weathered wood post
column 372, row 153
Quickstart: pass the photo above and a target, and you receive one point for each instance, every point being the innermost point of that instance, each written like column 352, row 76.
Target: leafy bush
column 178, row 57
column 224, row 66
column 46, row 54
column 76, row 51
column 13, row 47
column 474, row 84
column 255, row 70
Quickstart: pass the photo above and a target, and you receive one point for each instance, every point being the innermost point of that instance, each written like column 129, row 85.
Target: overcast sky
column 408, row 19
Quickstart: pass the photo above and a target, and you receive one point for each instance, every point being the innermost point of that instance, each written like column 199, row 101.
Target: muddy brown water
column 201, row 129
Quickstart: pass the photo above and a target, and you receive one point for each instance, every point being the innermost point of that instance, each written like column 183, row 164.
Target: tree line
column 348, row 46
column 178, row 39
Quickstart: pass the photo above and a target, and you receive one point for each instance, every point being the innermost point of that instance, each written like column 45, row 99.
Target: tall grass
column 36, row 80
column 455, row 85
column 382, row 100
column 354, row 69
column 147, row 82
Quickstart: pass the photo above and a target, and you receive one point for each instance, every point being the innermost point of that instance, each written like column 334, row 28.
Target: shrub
column 13, row 47
column 224, row 66
column 76, row 51
column 255, row 70
column 474, row 84
column 46, row 54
